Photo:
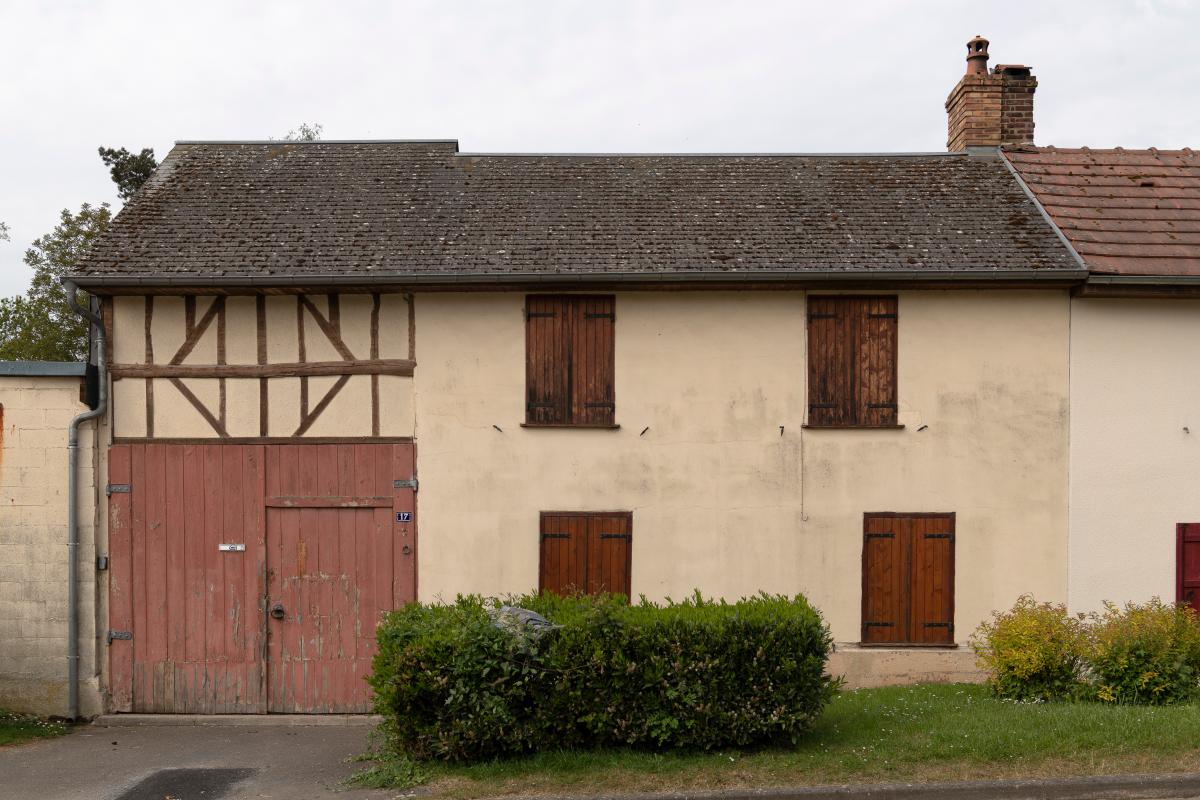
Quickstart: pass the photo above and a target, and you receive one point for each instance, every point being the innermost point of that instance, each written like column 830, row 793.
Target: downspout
column 97, row 325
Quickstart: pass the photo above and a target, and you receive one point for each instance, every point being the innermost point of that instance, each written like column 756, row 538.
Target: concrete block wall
column 35, row 411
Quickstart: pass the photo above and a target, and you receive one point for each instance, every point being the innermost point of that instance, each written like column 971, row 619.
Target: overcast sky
column 558, row 75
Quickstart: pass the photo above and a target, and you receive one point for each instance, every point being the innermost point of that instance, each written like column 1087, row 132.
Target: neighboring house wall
column 1135, row 446
column 729, row 493
column 36, row 410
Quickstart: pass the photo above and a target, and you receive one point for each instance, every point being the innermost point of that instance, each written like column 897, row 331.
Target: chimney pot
column 977, row 56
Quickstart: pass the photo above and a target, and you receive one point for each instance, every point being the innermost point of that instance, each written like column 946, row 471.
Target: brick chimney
column 990, row 109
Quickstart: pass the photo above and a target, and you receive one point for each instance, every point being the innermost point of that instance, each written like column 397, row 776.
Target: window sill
column 610, row 426
column 906, row 645
column 853, row 427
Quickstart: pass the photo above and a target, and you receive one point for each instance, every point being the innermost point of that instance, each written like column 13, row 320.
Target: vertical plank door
column 186, row 612
column 341, row 552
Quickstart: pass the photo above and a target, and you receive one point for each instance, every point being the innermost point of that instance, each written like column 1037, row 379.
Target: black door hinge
column 626, row 536
column 117, row 635
column 939, row 536
column 878, row 624
column 880, row 535
column 556, row 536
column 117, row 488
column 405, row 484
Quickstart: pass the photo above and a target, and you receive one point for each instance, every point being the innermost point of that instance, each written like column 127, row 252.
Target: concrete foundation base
column 864, row 667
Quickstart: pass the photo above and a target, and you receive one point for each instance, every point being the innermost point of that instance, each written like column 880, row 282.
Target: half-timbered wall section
column 242, row 367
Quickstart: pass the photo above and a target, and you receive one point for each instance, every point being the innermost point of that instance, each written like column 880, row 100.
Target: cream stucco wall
column 1135, row 445
column 34, row 415
column 728, row 492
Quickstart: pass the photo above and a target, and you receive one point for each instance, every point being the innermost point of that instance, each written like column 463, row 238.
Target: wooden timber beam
column 374, row 366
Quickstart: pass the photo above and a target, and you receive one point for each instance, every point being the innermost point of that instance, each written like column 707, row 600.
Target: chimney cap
column 977, row 56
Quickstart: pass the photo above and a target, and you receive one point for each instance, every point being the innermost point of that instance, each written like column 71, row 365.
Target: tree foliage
column 41, row 325
column 129, row 170
column 305, row 132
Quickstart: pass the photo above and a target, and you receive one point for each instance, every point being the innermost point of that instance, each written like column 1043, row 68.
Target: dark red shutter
column 1188, row 564
column 563, row 567
column 609, row 554
column 547, row 360
column 932, row 616
column 875, row 373
column 830, row 362
column 885, row 580
column 592, row 364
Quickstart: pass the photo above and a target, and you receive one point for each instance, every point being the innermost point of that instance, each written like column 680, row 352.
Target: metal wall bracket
column 117, row 635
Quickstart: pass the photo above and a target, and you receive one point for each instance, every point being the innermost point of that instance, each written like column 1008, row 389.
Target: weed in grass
column 16, row 728
column 389, row 772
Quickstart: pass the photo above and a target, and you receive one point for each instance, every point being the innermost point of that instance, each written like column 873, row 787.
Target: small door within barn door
column 1187, row 568
column 341, row 551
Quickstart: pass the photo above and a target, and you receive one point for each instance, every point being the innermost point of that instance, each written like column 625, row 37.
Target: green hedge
column 691, row 675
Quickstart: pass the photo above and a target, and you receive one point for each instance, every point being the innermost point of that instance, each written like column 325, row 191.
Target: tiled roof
column 391, row 209
column 1128, row 212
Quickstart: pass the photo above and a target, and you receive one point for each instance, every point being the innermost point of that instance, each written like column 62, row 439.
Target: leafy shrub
column 692, row 675
column 1147, row 654
column 1032, row 652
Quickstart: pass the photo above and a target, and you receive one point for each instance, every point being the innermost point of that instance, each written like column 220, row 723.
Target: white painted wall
column 1135, row 468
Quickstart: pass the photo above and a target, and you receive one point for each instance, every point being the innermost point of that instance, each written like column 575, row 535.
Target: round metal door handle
column 277, row 611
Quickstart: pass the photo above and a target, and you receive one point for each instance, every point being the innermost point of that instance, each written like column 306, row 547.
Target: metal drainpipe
column 72, row 501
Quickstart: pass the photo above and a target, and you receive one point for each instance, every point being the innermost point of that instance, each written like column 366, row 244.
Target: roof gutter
column 561, row 279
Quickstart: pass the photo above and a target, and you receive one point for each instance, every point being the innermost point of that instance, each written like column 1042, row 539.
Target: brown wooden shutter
column 610, row 548
column 885, row 579
column 563, row 562
column 547, row 360
column 875, row 373
column 1187, row 568
column 592, row 364
column 830, row 362
column 908, row 579
column 932, row 617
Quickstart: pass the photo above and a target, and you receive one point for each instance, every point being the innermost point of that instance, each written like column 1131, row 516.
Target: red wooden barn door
column 340, row 553
column 203, row 539
column 186, row 582
column 1187, row 569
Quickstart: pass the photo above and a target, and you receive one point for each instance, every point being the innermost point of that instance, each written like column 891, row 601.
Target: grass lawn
column 937, row 732
column 16, row 728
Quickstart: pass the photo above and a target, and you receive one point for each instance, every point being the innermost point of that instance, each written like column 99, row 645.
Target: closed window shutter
column 547, row 360
column 932, row 618
column 885, row 580
column 908, row 579
column 875, row 319
column 592, row 365
column 563, row 561
column 1187, row 569
column 610, row 547
column 830, row 362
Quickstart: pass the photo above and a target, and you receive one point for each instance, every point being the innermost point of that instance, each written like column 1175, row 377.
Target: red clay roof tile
column 1127, row 212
